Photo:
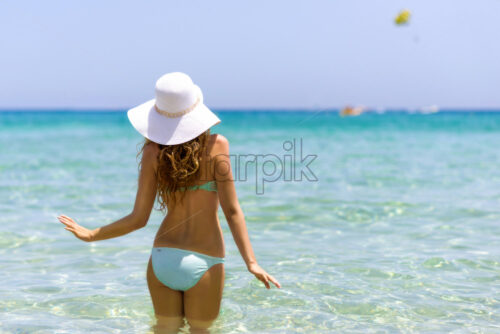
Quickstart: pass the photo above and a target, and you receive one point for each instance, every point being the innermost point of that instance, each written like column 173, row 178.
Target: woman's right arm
column 232, row 210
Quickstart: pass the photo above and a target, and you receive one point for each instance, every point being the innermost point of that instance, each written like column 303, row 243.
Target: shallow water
column 400, row 232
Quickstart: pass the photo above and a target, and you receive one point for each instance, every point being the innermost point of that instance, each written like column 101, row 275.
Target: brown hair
column 178, row 167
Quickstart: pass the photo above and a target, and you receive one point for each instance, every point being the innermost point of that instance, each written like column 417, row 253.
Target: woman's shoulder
column 150, row 153
column 151, row 148
column 219, row 139
column 219, row 144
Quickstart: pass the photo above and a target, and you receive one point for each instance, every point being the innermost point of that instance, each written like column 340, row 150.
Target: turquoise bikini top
column 208, row 186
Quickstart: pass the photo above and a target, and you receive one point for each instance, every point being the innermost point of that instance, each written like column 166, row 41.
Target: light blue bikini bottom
column 180, row 269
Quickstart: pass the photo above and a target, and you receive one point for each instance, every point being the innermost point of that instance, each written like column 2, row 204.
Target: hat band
column 179, row 113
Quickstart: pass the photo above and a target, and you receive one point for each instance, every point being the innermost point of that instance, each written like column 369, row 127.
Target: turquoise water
column 400, row 232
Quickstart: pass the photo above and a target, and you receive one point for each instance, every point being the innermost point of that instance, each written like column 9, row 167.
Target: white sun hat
column 177, row 113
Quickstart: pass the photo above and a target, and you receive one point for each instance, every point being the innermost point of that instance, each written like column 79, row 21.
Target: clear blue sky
column 251, row 54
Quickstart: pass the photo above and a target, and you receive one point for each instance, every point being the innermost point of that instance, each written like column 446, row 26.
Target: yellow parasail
column 403, row 17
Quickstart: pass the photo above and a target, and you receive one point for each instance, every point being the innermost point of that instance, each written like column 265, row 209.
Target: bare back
column 193, row 223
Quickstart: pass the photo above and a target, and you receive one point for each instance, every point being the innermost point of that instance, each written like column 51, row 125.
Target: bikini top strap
column 208, row 186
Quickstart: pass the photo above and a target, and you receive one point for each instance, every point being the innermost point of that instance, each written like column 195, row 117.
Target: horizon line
column 263, row 109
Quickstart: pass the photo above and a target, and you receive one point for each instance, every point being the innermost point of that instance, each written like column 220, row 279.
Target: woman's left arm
column 144, row 201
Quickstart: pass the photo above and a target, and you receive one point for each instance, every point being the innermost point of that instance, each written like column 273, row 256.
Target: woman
column 190, row 171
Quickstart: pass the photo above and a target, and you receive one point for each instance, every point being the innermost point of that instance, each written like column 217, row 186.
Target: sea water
column 377, row 223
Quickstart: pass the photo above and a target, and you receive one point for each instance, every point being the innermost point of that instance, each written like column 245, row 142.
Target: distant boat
column 429, row 110
column 351, row 111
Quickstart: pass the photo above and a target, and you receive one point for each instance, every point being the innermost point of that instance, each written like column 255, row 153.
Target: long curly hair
column 178, row 167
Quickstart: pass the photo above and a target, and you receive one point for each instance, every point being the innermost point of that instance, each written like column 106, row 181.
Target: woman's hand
column 80, row 232
column 263, row 276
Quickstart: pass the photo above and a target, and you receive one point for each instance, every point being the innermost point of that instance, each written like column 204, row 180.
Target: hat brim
column 171, row 131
